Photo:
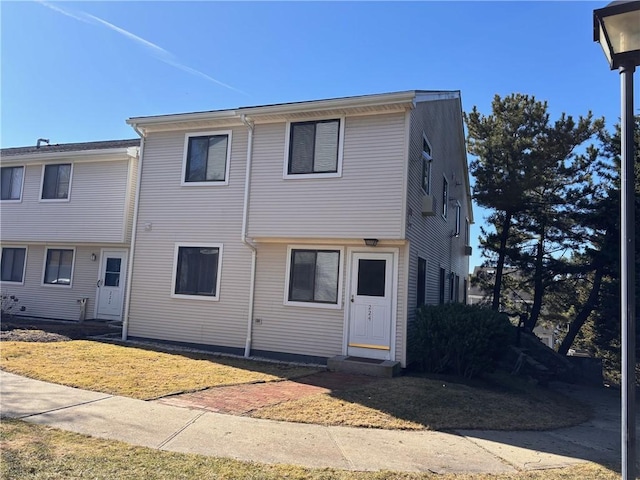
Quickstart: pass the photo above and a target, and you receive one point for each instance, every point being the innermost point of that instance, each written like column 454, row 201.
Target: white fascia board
column 384, row 99
column 78, row 155
column 430, row 96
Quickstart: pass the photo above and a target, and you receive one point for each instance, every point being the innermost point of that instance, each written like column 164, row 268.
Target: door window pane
column 113, row 264
column 371, row 277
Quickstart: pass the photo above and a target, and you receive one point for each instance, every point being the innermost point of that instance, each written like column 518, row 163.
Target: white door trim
column 394, row 294
column 123, row 276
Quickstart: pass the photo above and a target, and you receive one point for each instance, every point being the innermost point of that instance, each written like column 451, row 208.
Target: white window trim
column 44, row 266
column 458, row 219
column 287, row 139
column 24, row 267
column 55, row 200
column 444, row 211
column 207, row 298
column 24, row 172
column 429, row 159
column 217, row 183
column 330, row 306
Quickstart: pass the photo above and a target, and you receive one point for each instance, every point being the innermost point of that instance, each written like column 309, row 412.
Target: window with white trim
column 445, row 197
column 58, row 266
column 12, row 264
column 314, row 148
column 197, row 271
column 313, row 276
column 56, row 182
column 11, row 188
column 206, row 158
column 458, row 219
column 427, row 159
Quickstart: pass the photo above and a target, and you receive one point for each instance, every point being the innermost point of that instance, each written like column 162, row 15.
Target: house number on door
column 369, row 312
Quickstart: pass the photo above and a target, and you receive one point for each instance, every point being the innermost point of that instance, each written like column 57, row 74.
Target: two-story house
column 66, row 219
column 302, row 230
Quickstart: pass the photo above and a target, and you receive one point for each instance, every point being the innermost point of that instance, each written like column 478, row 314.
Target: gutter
column 245, row 223
column 134, row 230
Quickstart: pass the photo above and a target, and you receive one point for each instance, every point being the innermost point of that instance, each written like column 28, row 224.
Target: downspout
column 245, row 220
column 134, row 229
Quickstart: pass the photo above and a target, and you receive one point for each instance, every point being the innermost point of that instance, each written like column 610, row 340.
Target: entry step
column 364, row 366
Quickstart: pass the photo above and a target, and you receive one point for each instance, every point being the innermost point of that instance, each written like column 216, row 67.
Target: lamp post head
column 616, row 28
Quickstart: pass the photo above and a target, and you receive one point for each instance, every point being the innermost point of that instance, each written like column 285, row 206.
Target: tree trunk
column 497, row 285
column 538, row 284
column 584, row 313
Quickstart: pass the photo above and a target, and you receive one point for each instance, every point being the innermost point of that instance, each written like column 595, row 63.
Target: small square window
column 11, row 188
column 314, row 147
column 197, row 271
column 12, row 264
column 58, row 268
column 206, row 160
column 56, row 182
column 314, row 276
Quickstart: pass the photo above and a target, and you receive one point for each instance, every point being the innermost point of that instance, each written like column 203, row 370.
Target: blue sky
column 75, row 71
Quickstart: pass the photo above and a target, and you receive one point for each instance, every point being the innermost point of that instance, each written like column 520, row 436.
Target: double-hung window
column 11, row 188
column 315, row 148
column 422, row 282
column 445, row 197
column 58, row 267
column 458, row 219
column 56, row 182
column 313, row 277
column 206, row 158
column 426, row 165
column 12, row 264
column 197, row 271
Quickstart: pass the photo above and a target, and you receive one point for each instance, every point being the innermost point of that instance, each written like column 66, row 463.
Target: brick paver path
column 242, row 399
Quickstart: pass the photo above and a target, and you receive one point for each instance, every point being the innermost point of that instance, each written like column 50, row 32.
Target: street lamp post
column 617, row 28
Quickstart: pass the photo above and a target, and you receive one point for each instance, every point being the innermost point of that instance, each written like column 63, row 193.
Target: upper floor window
column 58, row 267
column 445, row 197
column 197, row 271
column 12, row 264
column 313, row 277
column 56, row 182
column 11, row 188
column 458, row 220
column 206, row 158
column 315, row 148
column 426, row 165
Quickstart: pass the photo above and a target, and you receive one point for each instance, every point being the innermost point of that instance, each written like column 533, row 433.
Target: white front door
column 370, row 307
column 113, row 265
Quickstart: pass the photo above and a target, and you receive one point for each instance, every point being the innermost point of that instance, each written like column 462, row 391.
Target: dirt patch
column 19, row 329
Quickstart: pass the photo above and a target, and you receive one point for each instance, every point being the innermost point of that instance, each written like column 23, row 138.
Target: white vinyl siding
column 365, row 202
column 197, row 216
column 97, row 212
column 430, row 237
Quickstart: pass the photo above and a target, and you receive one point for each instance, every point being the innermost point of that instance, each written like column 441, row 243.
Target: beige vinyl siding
column 306, row 330
column 170, row 213
column 431, row 237
column 58, row 302
column 366, row 201
column 95, row 212
column 130, row 199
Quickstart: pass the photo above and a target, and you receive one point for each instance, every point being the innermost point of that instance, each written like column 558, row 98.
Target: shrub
column 9, row 306
column 465, row 340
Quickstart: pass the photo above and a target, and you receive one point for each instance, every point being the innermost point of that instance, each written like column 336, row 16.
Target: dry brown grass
column 416, row 403
column 133, row 371
column 38, row 452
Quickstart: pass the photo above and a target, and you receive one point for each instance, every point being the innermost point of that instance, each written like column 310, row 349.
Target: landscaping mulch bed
column 25, row 329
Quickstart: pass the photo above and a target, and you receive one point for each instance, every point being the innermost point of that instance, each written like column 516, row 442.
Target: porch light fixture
column 93, row 257
column 371, row 242
column 616, row 28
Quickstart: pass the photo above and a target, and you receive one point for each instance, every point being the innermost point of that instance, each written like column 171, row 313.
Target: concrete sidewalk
column 178, row 429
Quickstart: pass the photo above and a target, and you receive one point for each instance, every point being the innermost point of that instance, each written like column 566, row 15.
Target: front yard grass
column 30, row 451
column 135, row 372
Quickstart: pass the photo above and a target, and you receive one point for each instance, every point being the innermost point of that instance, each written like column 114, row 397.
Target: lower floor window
column 58, row 266
column 197, row 270
column 12, row 264
column 314, row 275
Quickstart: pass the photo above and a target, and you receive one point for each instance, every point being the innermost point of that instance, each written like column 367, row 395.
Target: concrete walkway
column 179, row 429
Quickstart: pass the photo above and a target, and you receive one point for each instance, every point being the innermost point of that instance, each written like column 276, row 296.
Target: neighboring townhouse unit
column 67, row 215
column 303, row 230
